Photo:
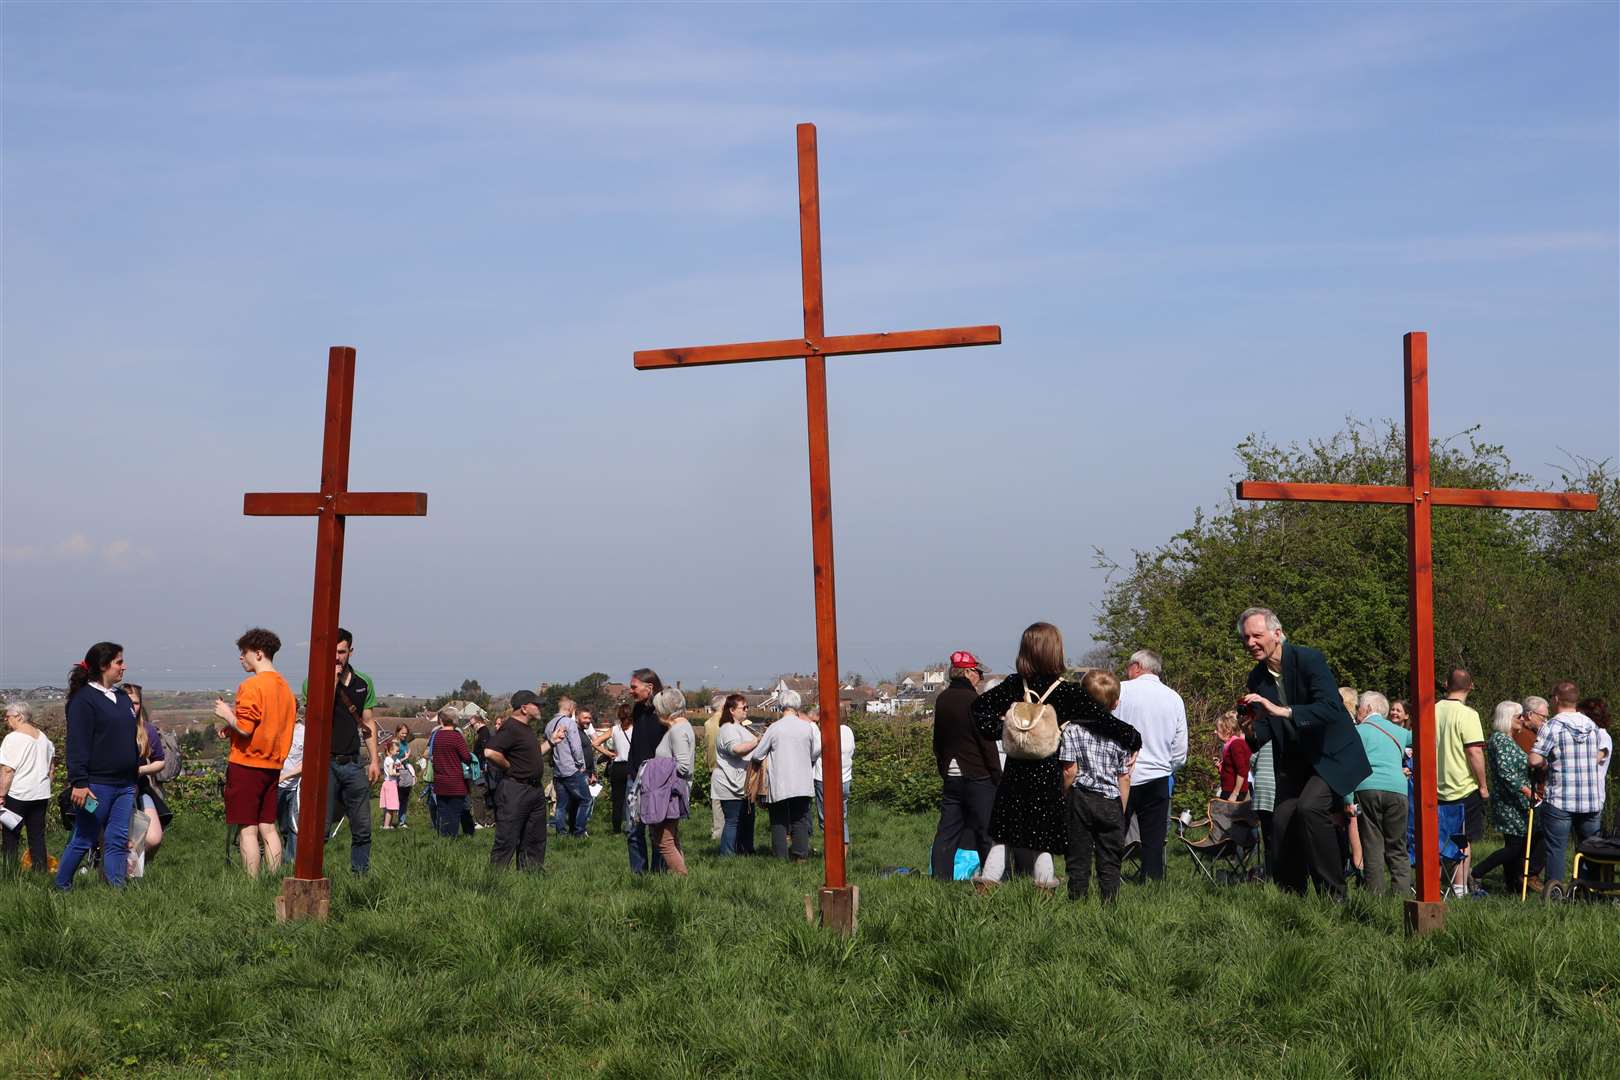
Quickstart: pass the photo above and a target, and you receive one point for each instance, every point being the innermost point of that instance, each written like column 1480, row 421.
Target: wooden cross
column 307, row 893
column 1427, row 912
column 837, row 898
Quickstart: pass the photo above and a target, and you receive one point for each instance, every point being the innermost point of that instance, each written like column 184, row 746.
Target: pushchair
column 1223, row 844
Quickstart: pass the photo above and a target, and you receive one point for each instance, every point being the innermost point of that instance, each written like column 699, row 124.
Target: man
column 354, row 696
column 1160, row 717
column 292, row 773
column 969, row 768
column 1568, row 746
column 1293, row 704
column 568, row 769
column 520, row 798
column 1459, row 740
column 1381, row 798
column 1534, row 719
column 260, row 727
column 588, row 750
column 711, row 737
column 646, row 734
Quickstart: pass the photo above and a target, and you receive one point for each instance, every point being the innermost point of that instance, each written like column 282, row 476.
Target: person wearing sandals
column 1028, row 811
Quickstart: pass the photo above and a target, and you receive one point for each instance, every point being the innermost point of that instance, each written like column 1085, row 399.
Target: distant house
column 924, row 680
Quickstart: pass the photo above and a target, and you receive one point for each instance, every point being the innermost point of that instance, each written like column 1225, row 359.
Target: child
column 1234, row 759
column 1096, row 784
column 260, row 728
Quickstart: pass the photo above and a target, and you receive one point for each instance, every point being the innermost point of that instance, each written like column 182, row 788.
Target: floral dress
column 1510, row 770
column 1028, row 811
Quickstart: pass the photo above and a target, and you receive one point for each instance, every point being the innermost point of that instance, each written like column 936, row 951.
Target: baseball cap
column 965, row 659
column 524, row 697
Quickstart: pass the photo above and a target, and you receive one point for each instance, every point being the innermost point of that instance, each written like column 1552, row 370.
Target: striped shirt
column 1265, row 779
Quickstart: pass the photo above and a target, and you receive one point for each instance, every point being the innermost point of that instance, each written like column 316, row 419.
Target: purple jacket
column 661, row 795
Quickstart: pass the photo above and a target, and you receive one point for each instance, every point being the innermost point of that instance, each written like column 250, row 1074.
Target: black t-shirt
column 345, row 725
column 518, row 743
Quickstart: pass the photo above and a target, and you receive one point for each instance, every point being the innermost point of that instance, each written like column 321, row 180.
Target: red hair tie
column 84, row 665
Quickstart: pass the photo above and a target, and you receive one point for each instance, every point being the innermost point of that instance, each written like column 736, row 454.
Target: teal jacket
column 1320, row 735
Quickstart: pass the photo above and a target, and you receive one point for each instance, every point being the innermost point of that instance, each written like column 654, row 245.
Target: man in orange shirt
column 260, row 729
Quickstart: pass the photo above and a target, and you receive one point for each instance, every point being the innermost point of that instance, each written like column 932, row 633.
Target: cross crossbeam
column 1420, row 497
column 306, row 893
column 814, row 346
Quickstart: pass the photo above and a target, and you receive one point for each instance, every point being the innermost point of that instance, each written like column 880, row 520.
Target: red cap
column 965, row 659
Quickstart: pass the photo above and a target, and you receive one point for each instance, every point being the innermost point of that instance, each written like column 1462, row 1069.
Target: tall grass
column 436, row 965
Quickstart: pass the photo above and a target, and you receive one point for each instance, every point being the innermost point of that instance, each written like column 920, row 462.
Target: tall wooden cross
column 838, row 899
column 1427, row 912
column 307, row 893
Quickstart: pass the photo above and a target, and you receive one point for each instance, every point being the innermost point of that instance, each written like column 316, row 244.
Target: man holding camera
column 1293, row 704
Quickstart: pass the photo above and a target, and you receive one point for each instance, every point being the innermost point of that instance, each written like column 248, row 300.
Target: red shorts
column 250, row 795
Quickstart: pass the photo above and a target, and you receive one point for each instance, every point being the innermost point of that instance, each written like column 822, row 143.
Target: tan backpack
column 1029, row 728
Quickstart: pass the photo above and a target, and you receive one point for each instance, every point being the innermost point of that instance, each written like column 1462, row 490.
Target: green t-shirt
column 1386, row 744
column 1456, row 726
column 371, row 688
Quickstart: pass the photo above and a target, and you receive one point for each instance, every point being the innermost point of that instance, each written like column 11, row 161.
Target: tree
column 469, row 690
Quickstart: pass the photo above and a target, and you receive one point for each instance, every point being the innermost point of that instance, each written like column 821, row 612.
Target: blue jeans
column 114, row 805
column 1556, row 825
column 573, row 803
column 821, row 811
column 732, row 809
column 448, row 821
column 351, row 788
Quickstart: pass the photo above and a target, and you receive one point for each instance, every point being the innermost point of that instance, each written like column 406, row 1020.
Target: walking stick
column 1529, row 835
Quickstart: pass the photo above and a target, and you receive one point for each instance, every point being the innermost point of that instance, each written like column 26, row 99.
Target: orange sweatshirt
column 267, row 711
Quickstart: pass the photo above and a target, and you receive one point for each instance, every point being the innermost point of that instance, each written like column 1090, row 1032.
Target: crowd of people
column 1032, row 766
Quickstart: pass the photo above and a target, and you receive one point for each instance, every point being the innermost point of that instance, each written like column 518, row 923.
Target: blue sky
column 1191, row 221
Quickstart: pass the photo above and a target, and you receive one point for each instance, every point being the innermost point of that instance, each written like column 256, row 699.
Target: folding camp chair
column 1223, row 844
column 1130, row 857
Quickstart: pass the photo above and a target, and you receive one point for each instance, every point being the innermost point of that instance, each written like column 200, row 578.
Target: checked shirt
column 1099, row 762
column 1574, row 778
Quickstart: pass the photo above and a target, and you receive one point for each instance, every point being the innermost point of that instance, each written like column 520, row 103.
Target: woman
column 101, row 763
column 449, row 754
column 728, row 779
column 404, row 774
column 151, row 810
column 26, row 760
column 790, row 748
column 680, row 744
column 1028, row 811
column 619, row 770
column 1234, row 758
column 1509, row 772
column 846, row 771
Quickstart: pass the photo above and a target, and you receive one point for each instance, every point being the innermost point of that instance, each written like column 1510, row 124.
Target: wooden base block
column 303, row 898
column 839, row 908
column 1425, row 917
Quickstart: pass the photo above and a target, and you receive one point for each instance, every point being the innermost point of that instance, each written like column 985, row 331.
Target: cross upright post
column 1427, row 912
column 838, row 899
column 307, row 893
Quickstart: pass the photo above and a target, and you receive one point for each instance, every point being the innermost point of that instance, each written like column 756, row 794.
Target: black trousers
column 618, row 781
column 1307, row 839
column 520, row 826
column 33, row 814
column 1096, row 831
column 791, row 817
column 1150, row 807
column 964, row 822
column 1268, row 838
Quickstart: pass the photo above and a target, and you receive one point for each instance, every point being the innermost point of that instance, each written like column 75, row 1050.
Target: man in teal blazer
column 1293, row 703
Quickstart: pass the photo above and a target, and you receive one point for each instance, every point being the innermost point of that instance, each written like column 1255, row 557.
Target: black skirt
column 1028, row 811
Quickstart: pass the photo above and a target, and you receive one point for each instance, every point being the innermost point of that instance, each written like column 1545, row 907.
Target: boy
column 1097, row 785
column 260, row 729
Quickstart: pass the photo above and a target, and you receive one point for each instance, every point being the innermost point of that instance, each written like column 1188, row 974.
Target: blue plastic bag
column 967, row 864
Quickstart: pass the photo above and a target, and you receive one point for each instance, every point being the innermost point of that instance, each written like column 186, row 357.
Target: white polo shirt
column 1159, row 715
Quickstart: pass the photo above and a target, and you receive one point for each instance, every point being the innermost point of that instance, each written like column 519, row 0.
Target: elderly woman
column 26, row 759
column 448, row 754
column 1509, row 771
column 789, row 749
column 680, row 744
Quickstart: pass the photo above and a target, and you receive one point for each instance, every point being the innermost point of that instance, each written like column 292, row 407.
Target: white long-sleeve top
column 1158, row 713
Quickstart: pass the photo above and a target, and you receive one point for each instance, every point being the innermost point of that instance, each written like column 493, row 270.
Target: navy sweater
column 101, row 739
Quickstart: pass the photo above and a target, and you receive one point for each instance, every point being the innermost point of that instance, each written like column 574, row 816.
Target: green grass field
column 435, row 965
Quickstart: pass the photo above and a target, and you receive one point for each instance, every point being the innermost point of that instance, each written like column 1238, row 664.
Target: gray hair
column 790, row 699
column 1532, row 703
column 1272, row 622
column 448, row 713
column 20, row 709
column 1506, row 713
column 669, row 701
column 1374, row 702
column 1148, row 660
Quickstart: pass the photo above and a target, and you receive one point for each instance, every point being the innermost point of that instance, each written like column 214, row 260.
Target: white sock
column 995, row 863
column 1044, row 874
